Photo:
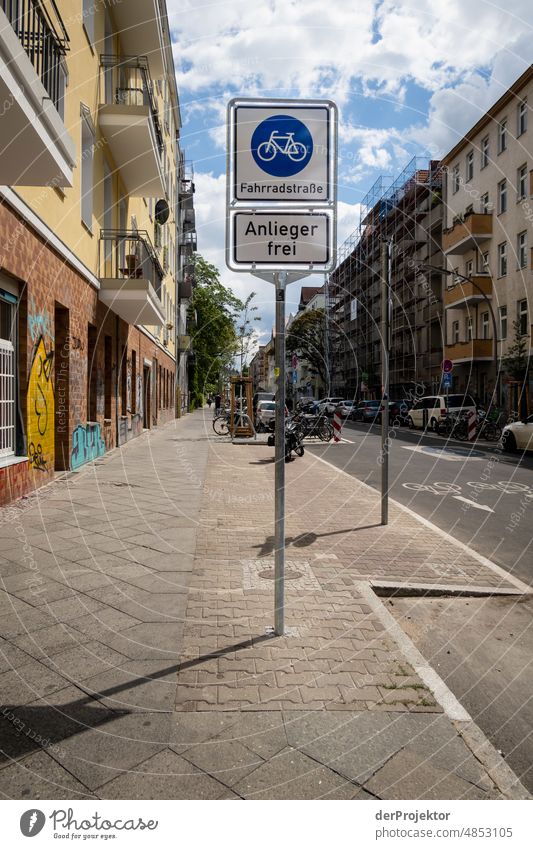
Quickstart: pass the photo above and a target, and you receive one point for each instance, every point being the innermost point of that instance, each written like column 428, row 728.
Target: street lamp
column 463, row 277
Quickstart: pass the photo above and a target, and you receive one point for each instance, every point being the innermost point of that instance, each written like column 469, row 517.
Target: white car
column 427, row 411
column 266, row 411
column 346, row 408
column 518, row 436
column 328, row 405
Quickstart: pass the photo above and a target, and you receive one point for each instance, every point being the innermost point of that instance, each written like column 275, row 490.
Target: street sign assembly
column 281, row 185
column 281, row 226
column 447, row 380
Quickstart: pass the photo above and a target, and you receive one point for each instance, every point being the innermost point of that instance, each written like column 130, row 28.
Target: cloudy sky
column 409, row 77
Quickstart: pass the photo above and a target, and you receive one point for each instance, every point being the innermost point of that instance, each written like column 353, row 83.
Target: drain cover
column 290, row 575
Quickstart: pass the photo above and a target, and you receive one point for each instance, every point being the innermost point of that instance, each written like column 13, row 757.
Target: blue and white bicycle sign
column 282, row 145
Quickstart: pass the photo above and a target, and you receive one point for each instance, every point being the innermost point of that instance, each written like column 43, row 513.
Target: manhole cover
column 290, row 575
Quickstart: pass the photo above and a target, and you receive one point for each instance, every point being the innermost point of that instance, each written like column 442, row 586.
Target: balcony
column 36, row 148
column 466, row 235
column 131, row 277
column 464, row 293
column 475, row 349
column 188, row 243
column 189, row 220
column 129, row 121
column 141, row 31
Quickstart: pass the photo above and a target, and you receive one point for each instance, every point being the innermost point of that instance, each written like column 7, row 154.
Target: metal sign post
column 281, row 226
column 280, row 281
column 385, row 336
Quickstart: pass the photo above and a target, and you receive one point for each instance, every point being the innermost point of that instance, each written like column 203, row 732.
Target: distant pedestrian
column 209, row 401
column 218, row 403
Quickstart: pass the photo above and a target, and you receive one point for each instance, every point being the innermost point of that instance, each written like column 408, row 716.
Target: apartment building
column 407, row 213
column 185, row 357
column 488, row 239
column 258, row 369
column 91, row 232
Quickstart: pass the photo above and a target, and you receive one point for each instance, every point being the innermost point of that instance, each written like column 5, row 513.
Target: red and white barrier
column 472, row 428
column 337, row 426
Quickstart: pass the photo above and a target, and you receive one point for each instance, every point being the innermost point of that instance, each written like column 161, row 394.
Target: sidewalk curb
column 506, row 781
column 481, row 559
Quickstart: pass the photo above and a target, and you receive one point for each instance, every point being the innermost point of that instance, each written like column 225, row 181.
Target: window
column 484, row 325
column 521, row 117
column 522, row 317
column 502, row 259
column 484, row 201
column 469, row 325
column 88, row 18
column 521, row 182
column 521, row 249
column 455, row 332
column 503, row 322
column 469, row 173
column 502, row 136
column 485, row 152
column 8, row 386
column 502, row 197
column 87, row 158
column 469, row 268
column 485, row 261
column 455, row 179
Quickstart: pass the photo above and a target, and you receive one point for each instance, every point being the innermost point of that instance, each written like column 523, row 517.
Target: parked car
column 346, row 408
column 328, row 405
column 366, row 411
column 266, row 411
column 427, row 411
column 518, row 436
column 262, row 396
column 398, row 412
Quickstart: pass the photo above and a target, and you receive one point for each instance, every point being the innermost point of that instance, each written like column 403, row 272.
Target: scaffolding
column 407, row 211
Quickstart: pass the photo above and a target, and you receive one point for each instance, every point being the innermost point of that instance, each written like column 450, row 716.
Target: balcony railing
column 188, row 242
column 45, row 43
column 129, row 255
column 465, row 235
column 474, row 349
column 126, row 81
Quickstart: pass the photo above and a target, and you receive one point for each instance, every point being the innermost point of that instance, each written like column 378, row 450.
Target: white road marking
column 442, row 453
column 473, row 503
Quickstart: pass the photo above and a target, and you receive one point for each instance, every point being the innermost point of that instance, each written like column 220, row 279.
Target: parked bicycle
column 314, row 426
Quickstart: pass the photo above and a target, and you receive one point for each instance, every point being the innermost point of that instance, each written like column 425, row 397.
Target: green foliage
column 307, row 339
column 517, row 359
column 212, row 310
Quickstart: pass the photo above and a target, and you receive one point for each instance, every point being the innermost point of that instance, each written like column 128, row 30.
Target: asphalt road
column 481, row 647
column 479, row 495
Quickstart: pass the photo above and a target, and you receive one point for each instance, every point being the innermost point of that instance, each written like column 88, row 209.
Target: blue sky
column 409, row 77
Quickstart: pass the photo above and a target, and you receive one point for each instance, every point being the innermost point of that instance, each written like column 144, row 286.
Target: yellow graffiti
column 40, row 406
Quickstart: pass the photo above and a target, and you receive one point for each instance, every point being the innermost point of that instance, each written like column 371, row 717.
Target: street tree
column 307, row 339
column 212, row 319
column 245, row 329
column 516, row 366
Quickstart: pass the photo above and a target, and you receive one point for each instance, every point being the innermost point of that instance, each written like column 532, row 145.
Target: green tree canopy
column 212, row 313
column 307, row 338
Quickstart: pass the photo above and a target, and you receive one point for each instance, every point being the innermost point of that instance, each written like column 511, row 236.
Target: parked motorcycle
column 293, row 439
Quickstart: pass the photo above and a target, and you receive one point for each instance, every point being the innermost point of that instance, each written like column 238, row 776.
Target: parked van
column 426, row 411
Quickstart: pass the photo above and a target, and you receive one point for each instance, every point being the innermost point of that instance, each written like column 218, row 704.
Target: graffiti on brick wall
column 128, row 386
column 87, row 445
column 139, row 395
column 40, row 410
column 38, row 322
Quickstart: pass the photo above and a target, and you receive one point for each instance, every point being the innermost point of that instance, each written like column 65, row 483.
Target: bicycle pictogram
column 267, row 150
column 282, row 145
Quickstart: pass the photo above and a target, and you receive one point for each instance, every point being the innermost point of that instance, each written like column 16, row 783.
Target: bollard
column 471, row 425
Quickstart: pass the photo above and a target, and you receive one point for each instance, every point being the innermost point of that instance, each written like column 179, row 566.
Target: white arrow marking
column 473, row 503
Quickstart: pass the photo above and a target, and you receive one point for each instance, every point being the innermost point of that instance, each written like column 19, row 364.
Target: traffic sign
column 282, row 152
column 273, row 240
column 447, row 379
column 447, row 366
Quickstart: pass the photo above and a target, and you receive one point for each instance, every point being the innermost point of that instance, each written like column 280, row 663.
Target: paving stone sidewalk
column 135, row 660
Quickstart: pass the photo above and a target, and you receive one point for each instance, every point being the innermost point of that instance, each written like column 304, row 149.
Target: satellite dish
column 162, row 211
